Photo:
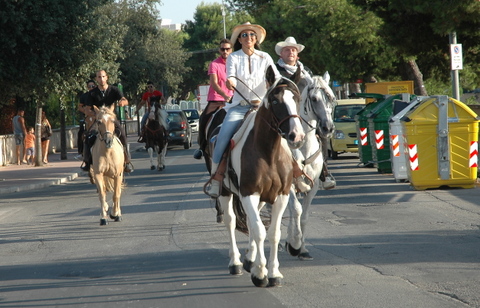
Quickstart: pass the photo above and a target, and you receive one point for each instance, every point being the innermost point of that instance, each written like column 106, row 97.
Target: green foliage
column 204, row 35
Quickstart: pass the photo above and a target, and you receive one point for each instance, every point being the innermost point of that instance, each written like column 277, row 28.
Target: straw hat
column 259, row 30
column 289, row 42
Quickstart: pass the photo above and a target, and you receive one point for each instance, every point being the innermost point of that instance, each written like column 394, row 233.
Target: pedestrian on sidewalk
column 46, row 133
column 19, row 132
column 30, row 146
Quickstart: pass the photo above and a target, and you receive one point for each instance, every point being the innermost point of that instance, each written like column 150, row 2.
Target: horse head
column 283, row 99
column 318, row 101
column 105, row 118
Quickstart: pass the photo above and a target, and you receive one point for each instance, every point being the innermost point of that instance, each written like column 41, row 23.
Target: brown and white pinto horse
column 108, row 163
column 156, row 135
column 262, row 162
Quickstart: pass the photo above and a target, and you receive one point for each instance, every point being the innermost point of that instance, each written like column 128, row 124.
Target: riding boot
column 298, row 178
column 128, row 165
column 218, row 172
column 141, row 139
column 328, row 181
column 87, row 157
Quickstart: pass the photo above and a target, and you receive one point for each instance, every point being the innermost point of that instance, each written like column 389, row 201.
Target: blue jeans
column 232, row 120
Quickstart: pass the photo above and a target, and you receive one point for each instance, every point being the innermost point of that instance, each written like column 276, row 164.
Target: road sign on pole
column 456, row 56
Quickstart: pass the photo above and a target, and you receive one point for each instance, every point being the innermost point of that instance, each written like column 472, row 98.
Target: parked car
column 193, row 117
column 179, row 132
column 345, row 137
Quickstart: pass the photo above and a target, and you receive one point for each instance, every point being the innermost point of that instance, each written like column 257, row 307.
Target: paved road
column 375, row 242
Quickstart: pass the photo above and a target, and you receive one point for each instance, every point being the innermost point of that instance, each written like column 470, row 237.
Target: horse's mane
column 106, row 111
column 162, row 117
column 319, row 82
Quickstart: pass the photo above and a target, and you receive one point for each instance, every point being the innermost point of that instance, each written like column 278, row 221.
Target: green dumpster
column 361, row 122
column 379, row 130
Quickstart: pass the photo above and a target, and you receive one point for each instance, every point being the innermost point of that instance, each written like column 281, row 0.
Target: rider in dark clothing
column 107, row 95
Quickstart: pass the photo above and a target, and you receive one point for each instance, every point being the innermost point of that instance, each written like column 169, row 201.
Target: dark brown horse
column 262, row 163
column 156, row 135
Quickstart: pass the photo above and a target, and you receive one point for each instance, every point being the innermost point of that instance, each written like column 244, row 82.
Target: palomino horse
column 263, row 167
column 108, row 160
column 316, row 108
column 156, row 135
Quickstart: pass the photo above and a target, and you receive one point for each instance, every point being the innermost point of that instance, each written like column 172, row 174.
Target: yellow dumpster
column 441, row 137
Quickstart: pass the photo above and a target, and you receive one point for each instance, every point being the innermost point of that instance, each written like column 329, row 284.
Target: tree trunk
column 413, row 73
column 38, row 136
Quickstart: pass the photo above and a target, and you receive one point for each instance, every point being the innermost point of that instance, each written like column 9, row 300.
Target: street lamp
column 223, row 15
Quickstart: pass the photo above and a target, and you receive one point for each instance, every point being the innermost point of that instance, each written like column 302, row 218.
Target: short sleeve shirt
column 218, row 68
column 105, row 98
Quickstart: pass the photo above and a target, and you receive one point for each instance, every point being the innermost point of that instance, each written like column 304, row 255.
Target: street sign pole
column 456, row 64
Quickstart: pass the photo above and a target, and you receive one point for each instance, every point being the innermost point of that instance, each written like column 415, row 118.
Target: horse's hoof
column 103, row 222
column 305, row 256
column 160, row 168
column 261, row 283
column 292, row 251
column 116, row 218
column 152, row 168
column 235, row 269
column 274, row 282
column 247, row 265
column 220, row 219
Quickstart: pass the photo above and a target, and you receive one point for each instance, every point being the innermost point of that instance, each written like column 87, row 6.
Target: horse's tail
column 109, row 183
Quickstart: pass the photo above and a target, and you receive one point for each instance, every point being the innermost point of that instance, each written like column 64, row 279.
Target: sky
column 180, row 10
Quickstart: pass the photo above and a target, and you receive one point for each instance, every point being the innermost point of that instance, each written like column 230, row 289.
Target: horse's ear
column 270, row 75
column 326, row 77
column 112, row 108
column 95, row 108
column 297, row 75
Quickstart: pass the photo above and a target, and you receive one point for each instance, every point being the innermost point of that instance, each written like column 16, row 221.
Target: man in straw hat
column 288, row 51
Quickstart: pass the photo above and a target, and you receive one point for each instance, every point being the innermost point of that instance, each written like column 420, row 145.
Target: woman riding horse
column 246, row 69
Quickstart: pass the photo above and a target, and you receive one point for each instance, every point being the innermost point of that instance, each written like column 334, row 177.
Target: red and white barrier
column 412, row 152
column 363, row 136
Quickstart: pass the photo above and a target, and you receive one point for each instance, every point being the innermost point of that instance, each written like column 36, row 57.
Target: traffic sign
column 456, row 56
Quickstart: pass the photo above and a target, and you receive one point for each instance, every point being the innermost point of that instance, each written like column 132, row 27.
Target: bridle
column 107, row 136
column 307, row 107
column 278, row 123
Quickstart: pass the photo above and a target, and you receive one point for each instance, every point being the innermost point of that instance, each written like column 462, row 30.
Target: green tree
column 150, row 53
column 203, row 37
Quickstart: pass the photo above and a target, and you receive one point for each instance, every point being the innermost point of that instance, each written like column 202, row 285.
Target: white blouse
column 251, row 70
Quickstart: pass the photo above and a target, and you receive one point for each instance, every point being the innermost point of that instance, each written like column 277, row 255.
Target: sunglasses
column 225, row 49
column 92, row 86
column 252, row 34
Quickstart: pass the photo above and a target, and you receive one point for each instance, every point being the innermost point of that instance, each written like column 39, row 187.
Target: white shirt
column 251, row 70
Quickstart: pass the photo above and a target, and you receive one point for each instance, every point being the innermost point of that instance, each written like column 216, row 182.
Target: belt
column 251, row 103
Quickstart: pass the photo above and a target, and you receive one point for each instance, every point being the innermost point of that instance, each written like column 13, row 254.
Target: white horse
column 156, row 136
column 316, row 108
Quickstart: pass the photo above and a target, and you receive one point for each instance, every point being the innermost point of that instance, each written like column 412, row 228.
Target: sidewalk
column 17, row 178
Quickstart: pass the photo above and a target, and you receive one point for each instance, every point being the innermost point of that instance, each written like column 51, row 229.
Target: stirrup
column 212, row 188
column 128, row 167
column 301, row 185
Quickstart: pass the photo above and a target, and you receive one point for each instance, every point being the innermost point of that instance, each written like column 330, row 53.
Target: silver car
column 193, row 117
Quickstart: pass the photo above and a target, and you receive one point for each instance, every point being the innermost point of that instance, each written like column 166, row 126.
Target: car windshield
column 346, row 113
column 192, row 114
column 174, row 117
